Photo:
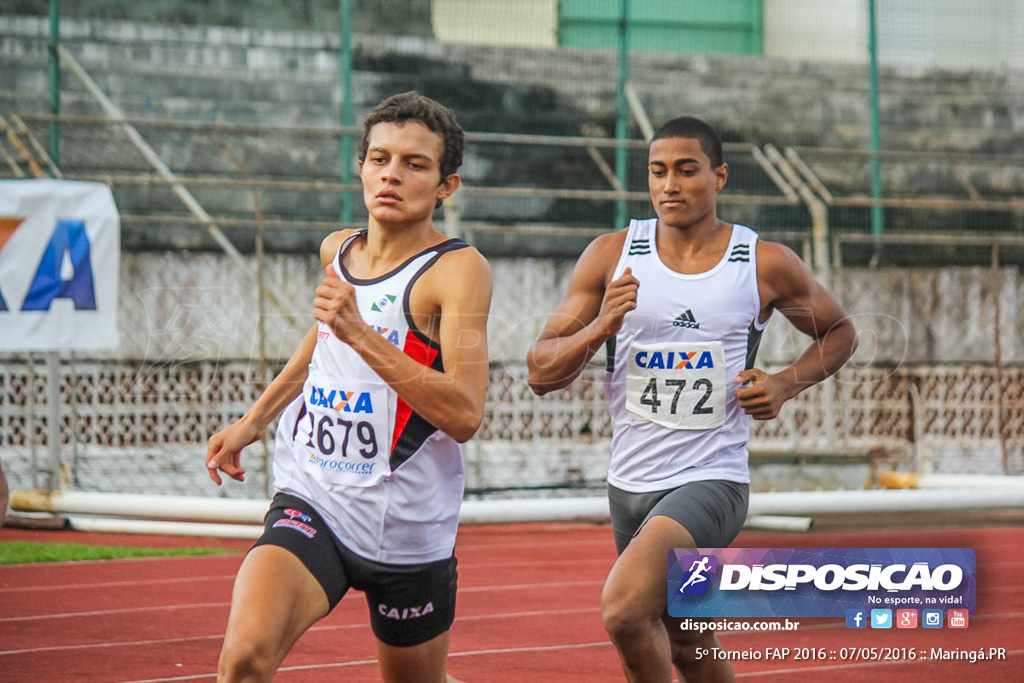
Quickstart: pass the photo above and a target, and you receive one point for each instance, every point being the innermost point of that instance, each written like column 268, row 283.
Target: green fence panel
column 665, row 25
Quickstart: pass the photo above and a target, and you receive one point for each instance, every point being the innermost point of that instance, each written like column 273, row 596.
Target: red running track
column 527, row 611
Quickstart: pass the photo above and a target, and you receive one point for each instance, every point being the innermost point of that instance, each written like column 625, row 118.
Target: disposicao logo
column 819, row 582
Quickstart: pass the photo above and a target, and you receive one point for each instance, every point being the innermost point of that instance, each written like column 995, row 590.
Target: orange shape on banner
column 7, row 228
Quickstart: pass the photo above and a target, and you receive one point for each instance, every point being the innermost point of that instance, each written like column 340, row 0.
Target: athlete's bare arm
column 787, row 285
column 224, row 449
column 454, row 297
column 591, row 312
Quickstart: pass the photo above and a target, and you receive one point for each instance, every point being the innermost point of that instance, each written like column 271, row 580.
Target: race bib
column 676, row 385
column 344, row 436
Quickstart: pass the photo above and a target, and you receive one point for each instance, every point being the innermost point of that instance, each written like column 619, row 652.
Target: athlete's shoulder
column 605, row 249
column 332, row 243
column 463, row 256
column 781, row 273
column 742, row 233
column 461, row 271
column 776, row 258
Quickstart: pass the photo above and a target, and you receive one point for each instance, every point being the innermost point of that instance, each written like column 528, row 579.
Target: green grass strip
column 22, row 552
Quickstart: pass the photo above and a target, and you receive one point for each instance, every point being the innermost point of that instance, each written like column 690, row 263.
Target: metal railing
column 813, row 186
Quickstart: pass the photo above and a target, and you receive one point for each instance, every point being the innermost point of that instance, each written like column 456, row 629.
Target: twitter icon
column 881, row 618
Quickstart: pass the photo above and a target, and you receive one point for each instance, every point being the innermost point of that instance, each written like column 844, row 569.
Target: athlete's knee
column 622, row 618
column 245, row 661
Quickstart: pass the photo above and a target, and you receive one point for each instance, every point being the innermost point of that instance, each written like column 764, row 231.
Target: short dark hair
column 411, row 106
column 689, row 127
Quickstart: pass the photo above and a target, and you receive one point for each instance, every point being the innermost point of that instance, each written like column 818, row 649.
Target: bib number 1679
column 324, row 436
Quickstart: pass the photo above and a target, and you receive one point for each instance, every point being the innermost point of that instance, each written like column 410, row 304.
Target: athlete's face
column 401, row 173
column 683, row 185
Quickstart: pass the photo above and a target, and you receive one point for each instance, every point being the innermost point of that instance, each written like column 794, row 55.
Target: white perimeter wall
column 946, row 34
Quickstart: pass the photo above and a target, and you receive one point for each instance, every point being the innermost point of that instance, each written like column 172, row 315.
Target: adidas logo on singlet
column 741, row 252
column 639, row 246
column 686, row 320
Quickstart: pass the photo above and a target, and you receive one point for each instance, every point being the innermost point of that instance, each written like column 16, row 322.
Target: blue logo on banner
column 69, row 241
column 856, row 618
column 818, row 582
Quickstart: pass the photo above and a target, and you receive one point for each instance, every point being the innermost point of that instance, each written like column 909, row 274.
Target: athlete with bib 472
column 373, row 405
column 680, row 302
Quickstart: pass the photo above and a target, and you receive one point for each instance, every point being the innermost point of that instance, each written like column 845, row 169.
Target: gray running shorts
column 712, row 511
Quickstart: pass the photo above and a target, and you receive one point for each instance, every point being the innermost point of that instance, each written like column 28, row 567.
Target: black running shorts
column 409, row 604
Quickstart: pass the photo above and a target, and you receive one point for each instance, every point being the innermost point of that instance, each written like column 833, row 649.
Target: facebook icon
column 856, row 618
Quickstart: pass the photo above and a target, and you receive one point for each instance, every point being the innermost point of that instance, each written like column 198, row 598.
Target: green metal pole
column 757, row 27
column 52, row 359
column 622, row 113
column 877, row 218
column 346, row 106
column 54, row 64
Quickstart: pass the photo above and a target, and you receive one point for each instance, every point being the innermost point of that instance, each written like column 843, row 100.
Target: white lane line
column 101, row 612
column 534, row 563
column 116, row 584
column 471, row 589
column 528, row 586
column 554, row 545
column 330, row 627
column 368, row 662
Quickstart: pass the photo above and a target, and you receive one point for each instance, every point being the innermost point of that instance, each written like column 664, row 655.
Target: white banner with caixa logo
column 60, row 250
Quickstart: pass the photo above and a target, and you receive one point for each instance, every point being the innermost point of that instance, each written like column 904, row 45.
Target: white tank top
column 387, row 482
column 669, row 384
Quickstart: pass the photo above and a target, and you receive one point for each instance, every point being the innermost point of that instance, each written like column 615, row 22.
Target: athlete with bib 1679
column 373, row 405
column 680, row 302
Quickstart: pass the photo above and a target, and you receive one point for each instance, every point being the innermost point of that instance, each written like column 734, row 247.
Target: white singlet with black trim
column 675, row 418
column 387, row 482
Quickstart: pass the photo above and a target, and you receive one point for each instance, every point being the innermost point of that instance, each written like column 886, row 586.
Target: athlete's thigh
column 290, row 579
column 274, row 601
column 639, row 579
column 639, row 576
column 713, row 513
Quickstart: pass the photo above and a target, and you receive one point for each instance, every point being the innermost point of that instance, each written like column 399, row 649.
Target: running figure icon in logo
column 697, row 582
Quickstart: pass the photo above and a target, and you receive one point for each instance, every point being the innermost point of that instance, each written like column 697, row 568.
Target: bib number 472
column 649, row 397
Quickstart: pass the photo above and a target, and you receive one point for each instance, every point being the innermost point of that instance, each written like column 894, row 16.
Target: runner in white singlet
column 673, row 365
column 373, row 406
column 680, row 301
column 353, row 445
